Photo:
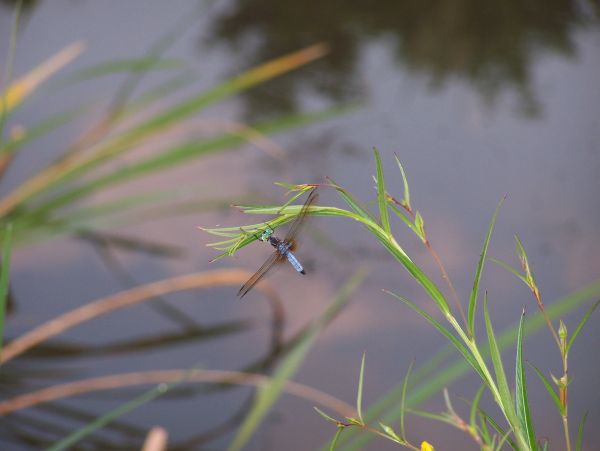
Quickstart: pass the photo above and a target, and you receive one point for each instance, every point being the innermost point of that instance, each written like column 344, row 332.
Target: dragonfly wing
column 295, row 227
column 274, row 258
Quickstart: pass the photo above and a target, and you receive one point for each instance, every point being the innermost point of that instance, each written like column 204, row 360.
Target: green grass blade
column 180, row 154
column 403, row 401
column 336, row 437
column 475, row 405
column 406, row 196
column 510, row 269
column 430, row 382
column 504, row 434
column 582, row 323
column 404, row 219
column 5, row 276
column 505, row 402
column 120, row 66
column 445, row 332
column 381, row 197
column 521, row 398
column 549, row 388
column 102, row 421
column 351, row 202
column 158, row 123
column 360, row 389
column 242, row 82
column 324, row 415
column 580, row 432
column 478, row 272
column 524, row 259
column 268, row 394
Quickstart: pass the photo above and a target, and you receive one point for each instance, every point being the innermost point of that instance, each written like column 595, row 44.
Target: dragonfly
column 283, row 247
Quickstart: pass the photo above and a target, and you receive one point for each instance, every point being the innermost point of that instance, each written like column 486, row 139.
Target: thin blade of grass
column 269, row 394
column 381, row 198
column 324, row 415
column 411, row 225
column 351, row 202
column 580, row 432
column 475, row 405
column 584, row 320
column 336, row 437
column 5, row 276
column 479, row 271
column 549, row 388
column 60, row 173
column 120, row 66
column 430, row 382
column 406, row 195
column 505, row 402
column 445, row 332
column 103, row 420
column 504, row 434
column 27, row 84
column 178, row 155
column 521, row 398
column 360, row 389
column 403, row 401
column 510, row 269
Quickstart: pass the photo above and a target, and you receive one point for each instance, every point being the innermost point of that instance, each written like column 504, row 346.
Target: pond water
column 478, row 102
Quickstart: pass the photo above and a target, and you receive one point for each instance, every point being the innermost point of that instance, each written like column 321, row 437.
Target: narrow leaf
column 580, row 432
column 420, row 227
column 479, row 271
column 521, row 398
column 324, row 415
column 268, row 394
column 404, row 219
column 510, row 269
column 102, row 421
column 24, row 86
column 549, row 388
column 445, row 332
column 406, row 198
column 360, row 389
column 335, row 438
column 351, row 202
column 403, row 400
column 391, row 434
column 119, row 66
column 505, row 402
column 475, row 405
column 504, row 434
column 381, row 198
column 584, row 320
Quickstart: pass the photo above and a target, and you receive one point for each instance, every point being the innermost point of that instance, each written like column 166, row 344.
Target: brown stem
column 206, row 279
column 166, row 376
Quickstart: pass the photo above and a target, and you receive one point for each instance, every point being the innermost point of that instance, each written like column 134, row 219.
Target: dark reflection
column 26, row 4
column 489, row 45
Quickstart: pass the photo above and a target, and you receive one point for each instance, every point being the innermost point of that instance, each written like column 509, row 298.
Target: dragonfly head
column 266, row 234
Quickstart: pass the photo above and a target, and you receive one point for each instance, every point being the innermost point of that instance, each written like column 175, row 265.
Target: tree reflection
column 489, row 45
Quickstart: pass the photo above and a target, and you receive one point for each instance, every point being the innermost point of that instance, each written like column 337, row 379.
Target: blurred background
column 478, row 101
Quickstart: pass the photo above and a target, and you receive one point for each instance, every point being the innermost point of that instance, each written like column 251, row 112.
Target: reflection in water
column 489, row 46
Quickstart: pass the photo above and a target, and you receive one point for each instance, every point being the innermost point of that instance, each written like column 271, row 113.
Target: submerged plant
column 510, row 394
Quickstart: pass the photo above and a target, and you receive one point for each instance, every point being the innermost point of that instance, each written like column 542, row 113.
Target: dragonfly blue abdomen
column 295, row 263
